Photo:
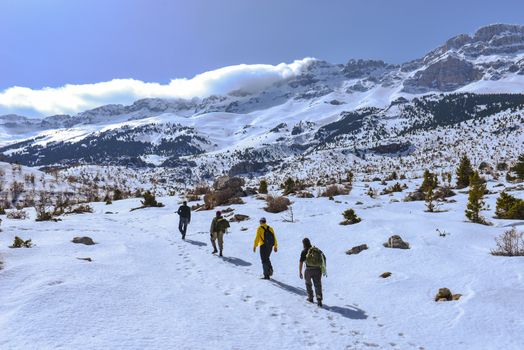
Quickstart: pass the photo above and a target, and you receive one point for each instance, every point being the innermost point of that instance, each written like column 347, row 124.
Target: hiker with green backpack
column 219, row 225
column 315, row 267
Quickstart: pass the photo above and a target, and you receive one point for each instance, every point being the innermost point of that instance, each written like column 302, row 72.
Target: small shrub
column 350, row 217
column 118, row 194
column 262, row 188
column 80, row 209
column 150, row 200
column 277, row 204
column 20, row 243
column 510, row 243
column 372, row 192
column 190, row 197
column 17, row 215
column 397, row 187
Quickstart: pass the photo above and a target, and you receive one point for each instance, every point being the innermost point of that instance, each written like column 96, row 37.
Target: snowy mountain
column 326, row 119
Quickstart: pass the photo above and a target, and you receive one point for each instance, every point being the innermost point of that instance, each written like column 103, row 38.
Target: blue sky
column 50, row 43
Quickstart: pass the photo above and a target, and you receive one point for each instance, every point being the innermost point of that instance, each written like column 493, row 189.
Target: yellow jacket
column 259, row 238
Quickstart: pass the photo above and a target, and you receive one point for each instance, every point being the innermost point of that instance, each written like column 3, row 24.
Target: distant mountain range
column 466, row 95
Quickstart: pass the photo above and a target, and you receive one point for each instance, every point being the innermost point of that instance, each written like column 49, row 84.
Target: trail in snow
column 148, row 289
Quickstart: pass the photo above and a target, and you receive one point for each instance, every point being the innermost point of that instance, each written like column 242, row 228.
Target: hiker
column 219, row 225
column 315, row 267
column 267, row 240
column 185, row 218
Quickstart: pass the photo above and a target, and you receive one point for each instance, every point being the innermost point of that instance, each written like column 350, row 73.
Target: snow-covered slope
column 148, row 289
column 356, row 114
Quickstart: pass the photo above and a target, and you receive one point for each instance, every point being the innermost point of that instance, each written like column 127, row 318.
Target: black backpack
column 269, row 238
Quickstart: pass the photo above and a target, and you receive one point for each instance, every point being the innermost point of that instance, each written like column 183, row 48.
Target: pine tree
column 464, row 172
column 509, row 207
column 430, row 181
column 289, row 186
column 476, row 199
column 350, row 177
column 519, row 167
column 262, row 188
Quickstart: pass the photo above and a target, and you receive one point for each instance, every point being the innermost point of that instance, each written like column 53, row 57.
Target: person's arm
column 257, row 238
column 300, row 265
column 212, row 228
column 275, row 248
column 178, row 211
column 189, row 212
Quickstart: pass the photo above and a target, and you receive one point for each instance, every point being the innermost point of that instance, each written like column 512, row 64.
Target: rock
column 456, row 296
column 226, row 182
column 385, row 274
column 444, row 294
column 83, row 240
column 227, row 210
column 243, row 229
column 239, row 217
column 357, row 249
column 396, row 241
column 86, row 259
column 446, row 74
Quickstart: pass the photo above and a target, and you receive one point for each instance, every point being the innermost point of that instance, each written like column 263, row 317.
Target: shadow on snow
column 236, row 261
column 197, row 243
column 348, row 311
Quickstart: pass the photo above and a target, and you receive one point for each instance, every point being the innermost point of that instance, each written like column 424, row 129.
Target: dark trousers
column 182, row 225
column 265, row 253
column 313, row 276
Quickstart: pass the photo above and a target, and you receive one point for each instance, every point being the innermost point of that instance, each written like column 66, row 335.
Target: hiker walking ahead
column 267, row 240
column 315, row 267
column 185, row 218
column 219, row 225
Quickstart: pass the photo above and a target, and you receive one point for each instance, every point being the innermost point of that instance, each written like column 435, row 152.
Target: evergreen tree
column 430, row 181
column 509, row 207
column 519, row 167
column 476, row 199
column 262, row 188
column 289, row 186
column 350, row 177
column 464, row 172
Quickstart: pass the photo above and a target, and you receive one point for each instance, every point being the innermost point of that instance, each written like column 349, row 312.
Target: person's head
column 262, row 221
column 219, row 213
column 307, row 243
column 185, row 203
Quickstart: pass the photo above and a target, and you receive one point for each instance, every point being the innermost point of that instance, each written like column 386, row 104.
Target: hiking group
column 266, row 240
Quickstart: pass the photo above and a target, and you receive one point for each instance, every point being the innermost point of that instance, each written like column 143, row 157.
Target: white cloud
column 70, row 99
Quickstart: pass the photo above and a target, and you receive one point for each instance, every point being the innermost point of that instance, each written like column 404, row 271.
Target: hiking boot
column 310, row 300
column 220, row 254
column 184, row 236
column 319, row 303
column 264, row 277
column 271, row 272
column 214, row 251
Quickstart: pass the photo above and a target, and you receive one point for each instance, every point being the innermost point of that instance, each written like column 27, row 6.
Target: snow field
column 148, row 289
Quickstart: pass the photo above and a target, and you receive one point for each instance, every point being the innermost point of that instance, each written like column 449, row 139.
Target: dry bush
column 81, row 209
column 277, row 204
column 200, row 190
column 334, row 190
column 17, row 215
column 192, row 197
column 510, row 243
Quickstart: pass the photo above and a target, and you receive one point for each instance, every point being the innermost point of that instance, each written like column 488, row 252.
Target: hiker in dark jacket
column 185, row 218
column 219, row 225
column 315, row 266
column 267, row 240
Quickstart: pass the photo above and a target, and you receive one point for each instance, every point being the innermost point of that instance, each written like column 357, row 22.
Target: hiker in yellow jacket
column 267, row 240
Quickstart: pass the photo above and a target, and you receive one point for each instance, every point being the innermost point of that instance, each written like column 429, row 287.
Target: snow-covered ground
column 148, row 289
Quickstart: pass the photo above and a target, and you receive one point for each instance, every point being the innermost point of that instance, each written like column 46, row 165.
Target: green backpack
column 314, row 257
column 222, row 225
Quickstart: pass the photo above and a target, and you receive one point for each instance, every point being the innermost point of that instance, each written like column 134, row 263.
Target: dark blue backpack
column 269, row 238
